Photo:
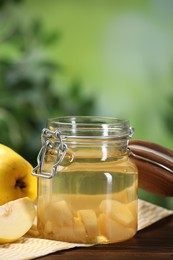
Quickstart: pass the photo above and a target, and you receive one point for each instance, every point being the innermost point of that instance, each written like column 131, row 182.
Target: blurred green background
column 86, row 57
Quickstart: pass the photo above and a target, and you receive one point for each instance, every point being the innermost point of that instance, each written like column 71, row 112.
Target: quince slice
column 16, row 218
column 79, row 231
column 75, row 233
column 59, row 214
column 112, row 230
column 117, row 211
column 89, row 219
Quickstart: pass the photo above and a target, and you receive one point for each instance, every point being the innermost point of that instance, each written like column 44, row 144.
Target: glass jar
column 87, row 184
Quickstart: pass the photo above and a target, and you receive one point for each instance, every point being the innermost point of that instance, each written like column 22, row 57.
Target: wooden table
column 153, row 242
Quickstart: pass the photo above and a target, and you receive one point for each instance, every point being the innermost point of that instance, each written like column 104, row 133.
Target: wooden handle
column 155, row 166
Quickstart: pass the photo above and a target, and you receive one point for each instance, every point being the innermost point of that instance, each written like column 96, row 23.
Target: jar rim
column 100, row 126
column 89, row 120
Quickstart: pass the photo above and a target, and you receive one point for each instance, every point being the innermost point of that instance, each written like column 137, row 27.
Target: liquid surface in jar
column 88, row 206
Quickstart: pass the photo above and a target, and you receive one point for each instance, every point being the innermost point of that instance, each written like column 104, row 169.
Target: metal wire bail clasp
column 52, row 141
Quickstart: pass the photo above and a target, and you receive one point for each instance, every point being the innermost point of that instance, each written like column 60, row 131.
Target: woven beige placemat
column 30, row 248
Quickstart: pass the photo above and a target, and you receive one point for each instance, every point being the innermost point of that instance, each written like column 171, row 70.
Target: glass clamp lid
column 83, row 129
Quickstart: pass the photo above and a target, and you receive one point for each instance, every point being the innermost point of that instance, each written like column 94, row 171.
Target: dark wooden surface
column 153, row 242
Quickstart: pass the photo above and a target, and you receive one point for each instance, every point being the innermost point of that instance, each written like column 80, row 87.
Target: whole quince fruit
column 16, row 179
